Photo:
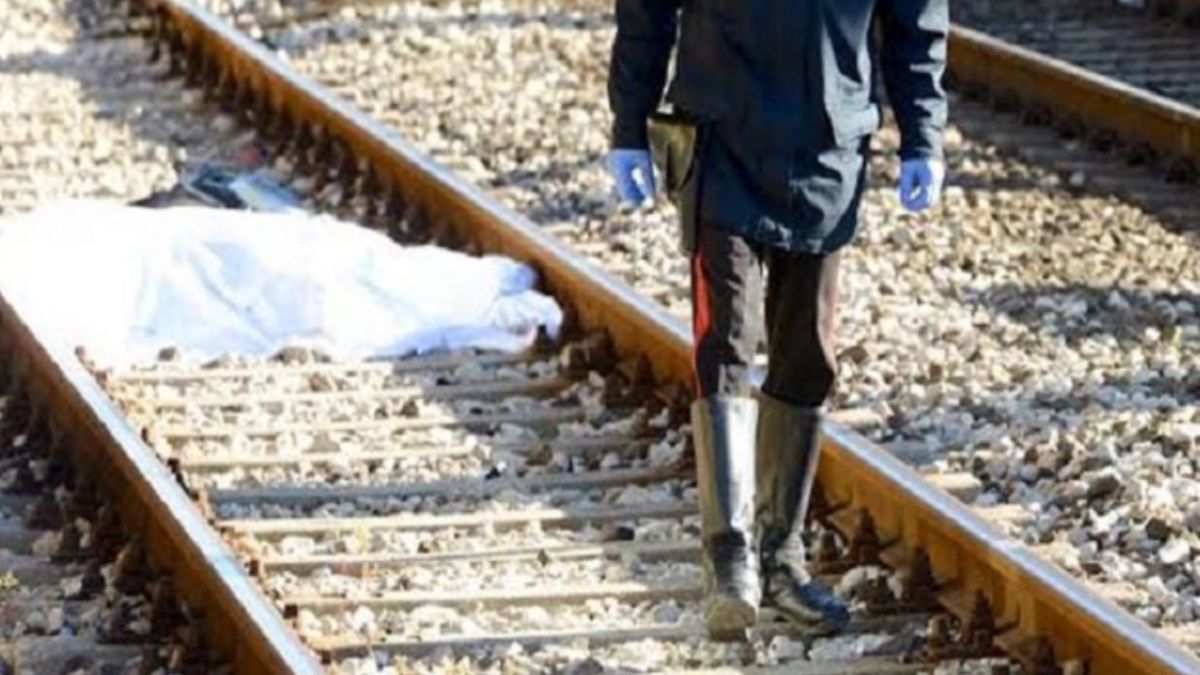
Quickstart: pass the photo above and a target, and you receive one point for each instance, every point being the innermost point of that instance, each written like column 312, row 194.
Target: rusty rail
column 241, row 625
column 1068, row 91
column 1045, row 617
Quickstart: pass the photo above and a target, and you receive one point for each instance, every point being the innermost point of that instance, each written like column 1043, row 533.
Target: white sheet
column 125, row 282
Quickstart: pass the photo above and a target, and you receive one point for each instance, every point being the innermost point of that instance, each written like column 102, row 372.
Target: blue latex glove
column 921, row 183
column 633, row 173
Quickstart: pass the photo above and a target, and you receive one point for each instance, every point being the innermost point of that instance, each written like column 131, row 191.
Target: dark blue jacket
column 785, row 90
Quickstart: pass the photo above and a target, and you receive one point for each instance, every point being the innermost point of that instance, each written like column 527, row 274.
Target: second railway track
column 516, row 513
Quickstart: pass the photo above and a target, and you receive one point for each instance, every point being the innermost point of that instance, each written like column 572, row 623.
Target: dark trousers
column 730, row 276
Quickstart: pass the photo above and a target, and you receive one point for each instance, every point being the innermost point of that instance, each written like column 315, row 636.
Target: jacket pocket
column 673, row 148
column 676, row 143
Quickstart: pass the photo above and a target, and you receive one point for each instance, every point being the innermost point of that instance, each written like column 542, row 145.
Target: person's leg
column 727, row 310
column 801, row 310
column 801, row 319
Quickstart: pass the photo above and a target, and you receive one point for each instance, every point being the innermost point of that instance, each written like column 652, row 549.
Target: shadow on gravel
column 553, row 203
column 1072, row 405
column 298, row 40
column 118, row 84
column 1078, row 312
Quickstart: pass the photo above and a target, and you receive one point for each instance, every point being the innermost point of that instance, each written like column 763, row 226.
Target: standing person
column 778, row 108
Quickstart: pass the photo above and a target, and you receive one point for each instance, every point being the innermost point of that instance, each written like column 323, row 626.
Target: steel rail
column 240, row 624
column 1040, row 607
column 1099, row 102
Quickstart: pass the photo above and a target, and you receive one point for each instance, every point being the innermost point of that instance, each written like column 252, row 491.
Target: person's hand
column 921, row 183
column 633, row 172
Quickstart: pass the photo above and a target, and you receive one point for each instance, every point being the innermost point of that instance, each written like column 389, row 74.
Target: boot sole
column 729, row 618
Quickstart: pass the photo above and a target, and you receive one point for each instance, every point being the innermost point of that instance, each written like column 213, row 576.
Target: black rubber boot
column 724, row 432
column 788, row 451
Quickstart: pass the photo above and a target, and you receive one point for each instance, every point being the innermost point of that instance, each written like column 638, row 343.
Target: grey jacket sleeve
column 638, row 70
column 913, row 61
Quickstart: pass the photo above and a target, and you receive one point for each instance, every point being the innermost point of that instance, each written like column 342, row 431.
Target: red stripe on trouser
column 701, row 321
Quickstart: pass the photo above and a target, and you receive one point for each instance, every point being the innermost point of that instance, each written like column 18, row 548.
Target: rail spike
column 130, row 571
column 107, row 536
column 865, row 546
column 980, row 630
column 1044, row 660
column 827, row 554
column 920, row 586
column 166, row 613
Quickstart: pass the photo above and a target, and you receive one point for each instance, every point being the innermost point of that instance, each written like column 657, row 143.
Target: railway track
column 1120, row 79
column 432, row 513
column 1052, row 278
column 76, row 591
